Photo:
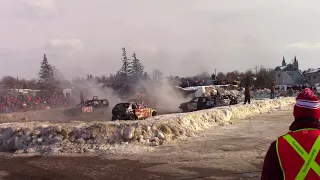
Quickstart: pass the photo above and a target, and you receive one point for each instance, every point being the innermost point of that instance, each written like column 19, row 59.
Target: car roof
column 124, row 103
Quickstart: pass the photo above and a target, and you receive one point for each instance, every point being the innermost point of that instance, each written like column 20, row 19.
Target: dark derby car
column 132, row 111
column 94, row 103
column 197, row 103
column 233, row 100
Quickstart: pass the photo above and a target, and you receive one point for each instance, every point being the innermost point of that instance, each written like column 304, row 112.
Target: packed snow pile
column 78, row 137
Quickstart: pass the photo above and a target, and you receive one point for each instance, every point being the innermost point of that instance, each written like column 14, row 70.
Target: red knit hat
column 307, row 105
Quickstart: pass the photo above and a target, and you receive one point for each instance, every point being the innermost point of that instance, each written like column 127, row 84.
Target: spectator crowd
column 18, row 102
column 189, row 82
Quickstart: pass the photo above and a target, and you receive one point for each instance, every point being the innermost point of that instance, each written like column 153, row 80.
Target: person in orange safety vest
column 295, row 155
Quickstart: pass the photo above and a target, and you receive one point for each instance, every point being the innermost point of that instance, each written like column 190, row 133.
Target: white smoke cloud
column 64, row 47
column 71, row 44
column 43, row 4
column 304, row 45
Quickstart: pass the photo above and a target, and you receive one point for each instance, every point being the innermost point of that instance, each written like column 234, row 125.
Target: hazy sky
column 180, row 37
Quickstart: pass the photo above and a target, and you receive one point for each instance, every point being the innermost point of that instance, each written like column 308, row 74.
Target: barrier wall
column 100, row 136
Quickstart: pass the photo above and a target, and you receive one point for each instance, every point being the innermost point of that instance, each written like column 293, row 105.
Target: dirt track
column 60, row 116
column 229, row 152
column 80, row 168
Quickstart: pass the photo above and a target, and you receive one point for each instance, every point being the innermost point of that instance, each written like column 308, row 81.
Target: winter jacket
column 271, row 167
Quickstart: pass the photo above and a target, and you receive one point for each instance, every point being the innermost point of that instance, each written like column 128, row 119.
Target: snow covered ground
column 79, row 137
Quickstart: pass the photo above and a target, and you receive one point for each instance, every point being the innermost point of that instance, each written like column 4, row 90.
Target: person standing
column 295, row 155
column 247, row 94
column 272, row 91
column 81, row 97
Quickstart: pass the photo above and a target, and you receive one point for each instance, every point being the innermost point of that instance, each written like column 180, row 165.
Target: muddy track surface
column 64, row 116
column 95, row 168
column 80, row 168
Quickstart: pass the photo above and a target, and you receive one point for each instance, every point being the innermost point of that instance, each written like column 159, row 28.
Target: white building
column 289, row 74
column 312, row 76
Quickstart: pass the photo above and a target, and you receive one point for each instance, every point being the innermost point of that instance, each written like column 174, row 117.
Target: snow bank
column 78, row 137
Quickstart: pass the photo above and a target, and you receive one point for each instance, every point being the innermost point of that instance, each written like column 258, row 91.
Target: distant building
column 312, row 76
column 289, row 74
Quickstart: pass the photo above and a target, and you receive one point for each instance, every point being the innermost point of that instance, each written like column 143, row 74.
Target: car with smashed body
column 147, row 101
column 132, row 111
column 198, row 103
column 144, row 98
column 95, row 103
column 229, row 99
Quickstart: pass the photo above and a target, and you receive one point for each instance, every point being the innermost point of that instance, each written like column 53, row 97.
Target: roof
column 288, row 67
column 309, row 71
column 281, row 67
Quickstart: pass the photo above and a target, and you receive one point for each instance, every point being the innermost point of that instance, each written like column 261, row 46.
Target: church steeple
column 283, row 61
column 295, row 63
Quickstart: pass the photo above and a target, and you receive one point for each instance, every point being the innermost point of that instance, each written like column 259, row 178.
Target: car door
column 145, row 111
column 210, row 103
column 87, row 109
column 105, row 103
column 192, row 105
column 138, row 110
column 202, row 103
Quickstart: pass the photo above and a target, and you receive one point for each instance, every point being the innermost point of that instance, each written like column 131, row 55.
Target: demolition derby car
column 132, row 111
column 147, row 101
column 95, row 103
column 199, row 103
column 233, row 100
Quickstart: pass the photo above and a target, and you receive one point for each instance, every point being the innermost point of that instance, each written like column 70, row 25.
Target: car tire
column 154, row 113
column 133, row 117
column 184, row 110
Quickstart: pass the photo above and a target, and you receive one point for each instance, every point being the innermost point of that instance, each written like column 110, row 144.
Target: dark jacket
column 273, row 89
column 271, row 166
column 247, row 91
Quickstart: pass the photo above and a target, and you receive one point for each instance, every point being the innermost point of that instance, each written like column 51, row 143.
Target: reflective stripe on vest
column 309, row 158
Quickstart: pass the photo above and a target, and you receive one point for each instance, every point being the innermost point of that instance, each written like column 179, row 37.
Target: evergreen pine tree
column 136, row 68
column 46, row 71
column 125, row 70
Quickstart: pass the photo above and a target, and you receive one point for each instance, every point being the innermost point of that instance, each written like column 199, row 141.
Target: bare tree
column 157, row 75
column 221, row 76
column 203, row 75
column 9, row 82
column 57, row 75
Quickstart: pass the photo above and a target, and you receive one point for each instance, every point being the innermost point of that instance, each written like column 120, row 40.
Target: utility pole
column 17, row 83
column 256, row 70
column 215, row 74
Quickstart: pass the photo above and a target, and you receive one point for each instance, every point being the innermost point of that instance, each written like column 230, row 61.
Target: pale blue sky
column 180, row 37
